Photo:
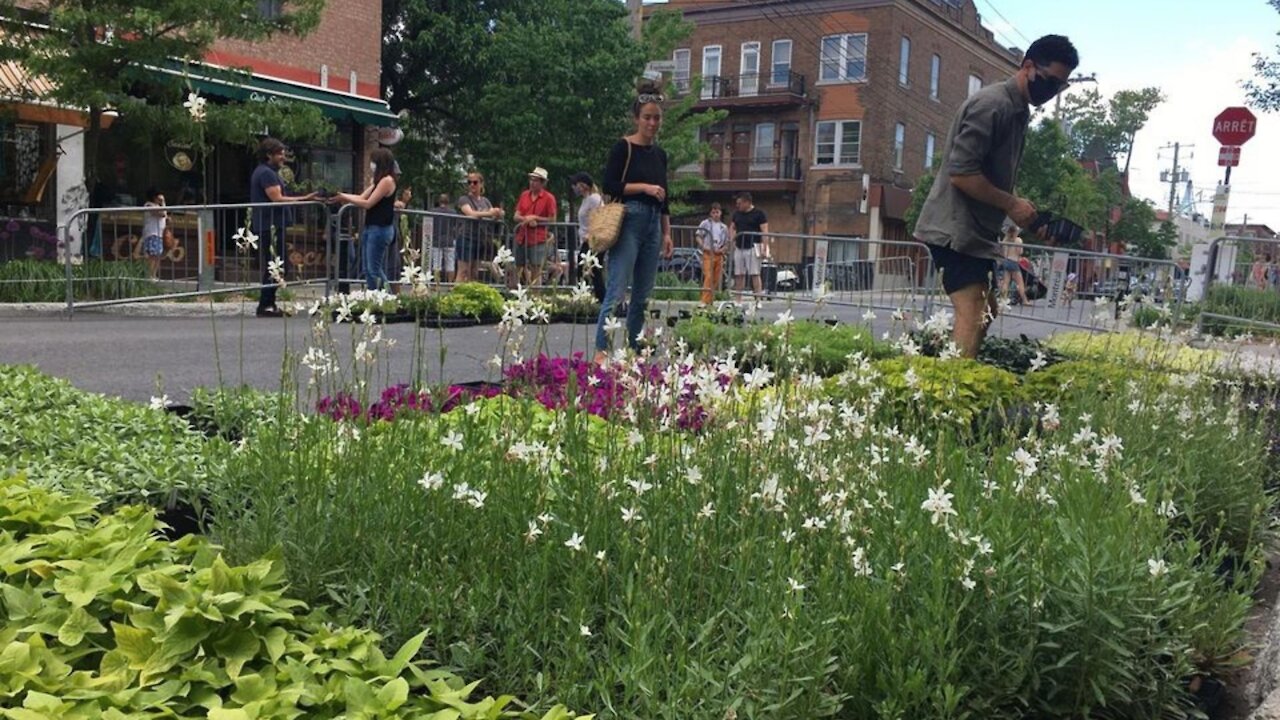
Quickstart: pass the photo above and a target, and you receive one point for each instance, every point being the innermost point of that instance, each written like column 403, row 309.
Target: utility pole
column 635, row 11
column 1175, row 176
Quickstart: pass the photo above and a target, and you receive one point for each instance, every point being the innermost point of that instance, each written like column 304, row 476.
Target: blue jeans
column 632, row 261
column 373, row 246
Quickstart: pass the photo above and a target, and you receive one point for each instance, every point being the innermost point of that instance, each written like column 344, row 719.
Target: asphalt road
column 137, row 357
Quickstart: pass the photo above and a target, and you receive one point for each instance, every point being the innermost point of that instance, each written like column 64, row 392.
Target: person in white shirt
column 153, row 225
column 713, row 238
column 585, row 188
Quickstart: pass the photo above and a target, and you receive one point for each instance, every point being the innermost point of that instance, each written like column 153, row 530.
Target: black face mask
column 1042, row 88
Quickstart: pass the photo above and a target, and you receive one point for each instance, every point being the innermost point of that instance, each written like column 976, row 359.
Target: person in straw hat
column 535, row 208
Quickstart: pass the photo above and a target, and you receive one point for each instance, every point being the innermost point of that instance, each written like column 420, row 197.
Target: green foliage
column 1245, row 303
column 473, row 300
column 45, row 281
column 954, row 390
column 1264, row 89
column 919, row 194
column 121, row 452
column 236, row 413
column 101, row 619
column 1134, row 229
column 1052, row 179
column 1101, row 131
column 1017, row 355
column 1088, row 378
column 669, row 286
column 803, row 345
column 561, row 305
column 93, row 72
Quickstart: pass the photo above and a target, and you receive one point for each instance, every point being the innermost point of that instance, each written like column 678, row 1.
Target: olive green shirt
column 986, row 138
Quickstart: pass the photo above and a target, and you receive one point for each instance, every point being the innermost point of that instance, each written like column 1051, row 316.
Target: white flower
column 574, row 543
column 431, row 481
column 275, row 268
column 861, row 567
column 245, row 239
column 612, row 324
column 1135, row 497
column 1038, row 362
column 939, row 503
column 452, row 440
column 1025, row 463
column 195, row 105
column 640, row 487
column 504, row 256
column 869, row 316
column 794, row 585
column 600, row 556
column 788, row 535
column 784, row 318
column 590, row 261
column 1050, row 419
column 584, row 631
column 693, row 476
column 967, row 583
column 534, row 532
column 707, row 511
column 630, row 515
column 159, row 403
column 1157, row 568
column 1168, row 509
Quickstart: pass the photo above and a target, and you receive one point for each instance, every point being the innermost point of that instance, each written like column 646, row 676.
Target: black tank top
column 382, row 214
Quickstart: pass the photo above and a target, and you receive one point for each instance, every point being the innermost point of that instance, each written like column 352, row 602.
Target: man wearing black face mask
column 973, row 193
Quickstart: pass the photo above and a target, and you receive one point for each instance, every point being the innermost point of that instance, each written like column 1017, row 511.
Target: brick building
column 831, row 99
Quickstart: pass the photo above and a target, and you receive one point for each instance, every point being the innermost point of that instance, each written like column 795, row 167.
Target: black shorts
column 959, row 271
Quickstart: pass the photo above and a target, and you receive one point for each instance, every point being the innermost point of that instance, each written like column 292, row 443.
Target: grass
column 27, row 281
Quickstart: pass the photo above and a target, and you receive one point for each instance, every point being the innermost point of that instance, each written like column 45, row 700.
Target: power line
column 1006, row 22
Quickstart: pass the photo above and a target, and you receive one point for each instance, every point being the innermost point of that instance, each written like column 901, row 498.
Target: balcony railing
column 767, row 86
column 760, row 168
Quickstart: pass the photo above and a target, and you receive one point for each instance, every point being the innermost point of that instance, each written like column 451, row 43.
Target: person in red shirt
column 535, row 208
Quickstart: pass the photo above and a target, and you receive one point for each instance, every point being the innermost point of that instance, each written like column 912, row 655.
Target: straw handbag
column 606, row 220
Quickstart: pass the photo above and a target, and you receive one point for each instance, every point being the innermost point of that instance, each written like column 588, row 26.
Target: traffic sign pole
column 1232, row 127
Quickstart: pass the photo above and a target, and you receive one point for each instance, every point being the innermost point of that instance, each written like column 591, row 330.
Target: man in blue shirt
column 266, row 186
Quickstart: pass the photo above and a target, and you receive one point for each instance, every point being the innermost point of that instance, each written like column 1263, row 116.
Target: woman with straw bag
column 636, row 174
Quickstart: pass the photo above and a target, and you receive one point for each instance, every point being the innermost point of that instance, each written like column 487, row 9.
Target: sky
column 1197, row 53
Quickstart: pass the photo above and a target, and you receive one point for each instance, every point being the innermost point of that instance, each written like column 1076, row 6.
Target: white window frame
column 904, row 62
column 763, row 158
column 935, row 72
column 680, row 77
column 975, row 84
column 748, row 78
column 899, row 144
column 837, row 145
column 780, row 70
column 930, row 147
column 836, row 70
column 711, row 80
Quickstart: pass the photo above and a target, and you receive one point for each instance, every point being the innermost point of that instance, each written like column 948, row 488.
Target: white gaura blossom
column 861, row 567
column 795, row 585
column 159, row 402
column 431, row 481
column 1024, row 463
column 630, row 515
column 574, row 542
column 452, row 440
column 245, row 240
column 939, row 504
column 1157, row 568
column 196, row 106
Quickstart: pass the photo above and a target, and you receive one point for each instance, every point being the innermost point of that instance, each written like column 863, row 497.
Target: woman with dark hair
column 378, row 202
column 636, row 173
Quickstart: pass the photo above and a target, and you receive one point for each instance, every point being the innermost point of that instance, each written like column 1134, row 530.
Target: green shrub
column 800, row 345
column 45, row 281
column 102, row 619
column 473, row 300
column 118, row 451
column 236, row 413
column 958, row 390
column 1243, row 303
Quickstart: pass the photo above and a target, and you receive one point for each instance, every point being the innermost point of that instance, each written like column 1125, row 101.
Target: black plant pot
column 654, row 313
column 672, row 320
column 832, row 321
column 685, row 314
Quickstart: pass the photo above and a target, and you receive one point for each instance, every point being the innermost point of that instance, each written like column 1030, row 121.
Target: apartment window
column 904, row 61
column 762, row 155
column 930, row 143
column 781, row 59
column 680, row 78
column 749, row 69
column 975, row 84
column 935, row 70
column 711, row 71
column 270, row 9
column 844, row 58
column 838, row 142
column 899, row 142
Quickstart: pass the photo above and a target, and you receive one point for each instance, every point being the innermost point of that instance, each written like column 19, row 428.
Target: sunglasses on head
column 649, row 98
column 473, row 182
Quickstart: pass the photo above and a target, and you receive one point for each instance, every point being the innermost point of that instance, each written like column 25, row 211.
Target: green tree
column 918, row 195
column 1134, row 229
column 1106, row 130
column 1264, row 89
column 95, row 52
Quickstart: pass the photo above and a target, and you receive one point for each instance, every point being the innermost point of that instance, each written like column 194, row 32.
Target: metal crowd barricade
column 1073, row 287
column 203, row 260
column 1239, row 289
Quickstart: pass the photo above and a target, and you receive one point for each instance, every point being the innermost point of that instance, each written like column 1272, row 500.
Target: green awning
column 235, row 85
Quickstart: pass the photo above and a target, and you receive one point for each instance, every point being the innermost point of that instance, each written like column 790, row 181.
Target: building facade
column 835, row 107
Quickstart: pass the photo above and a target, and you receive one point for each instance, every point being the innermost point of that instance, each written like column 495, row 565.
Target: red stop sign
column 1234, row 126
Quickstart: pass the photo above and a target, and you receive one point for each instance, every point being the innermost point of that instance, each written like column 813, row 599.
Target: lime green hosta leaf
column 403, row 656
column 230, row 714
column 393, row 695
column 275, row 640
column 20, row 603
column 84, row 584
column 253, row 688
column 78, row 624
column 237, row 647
column 135, row 645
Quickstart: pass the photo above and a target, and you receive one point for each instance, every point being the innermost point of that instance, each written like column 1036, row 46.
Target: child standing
column 713, row 238
column 153, row 224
